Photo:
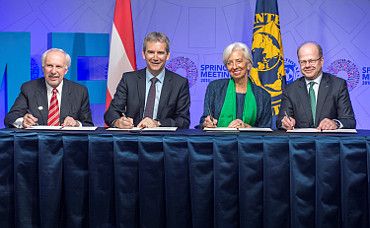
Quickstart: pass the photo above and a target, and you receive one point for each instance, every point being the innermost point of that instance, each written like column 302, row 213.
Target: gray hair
column 68, row 58
column 156, row 37
column 319, row 48
column 237, row 46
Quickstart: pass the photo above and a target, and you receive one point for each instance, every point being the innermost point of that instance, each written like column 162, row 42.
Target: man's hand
column 124, row 122
column 29, row 120
column 288, row 123
column 148, row 122
column 327, row 124
column 210, row 122
column 70, row 122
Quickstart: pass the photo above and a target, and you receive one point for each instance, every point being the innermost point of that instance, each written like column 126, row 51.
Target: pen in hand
column 29, row 112
column 211, row 117
column 288, row 117
column 123, row 112
column 124, row 115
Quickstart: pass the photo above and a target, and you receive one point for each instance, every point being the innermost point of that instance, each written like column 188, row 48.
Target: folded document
column 143, row 129
column 315, row 130
column 230, row 129
column 45, row 127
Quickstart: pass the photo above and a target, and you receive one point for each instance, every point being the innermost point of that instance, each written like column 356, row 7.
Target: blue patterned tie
column 313, row 101
column 149, row 108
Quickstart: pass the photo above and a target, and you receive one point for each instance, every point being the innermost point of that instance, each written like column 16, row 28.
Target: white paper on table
column 159, row 129
column 44, row 127
column 230, row 129
column 222, row 129
column 143, row 129
column 263, row 129
column 83, row 128
column 342, row 130
column 315, row 130
column 124, row 129
column 304, row 130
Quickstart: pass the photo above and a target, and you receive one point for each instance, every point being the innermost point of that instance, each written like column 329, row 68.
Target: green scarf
column 228, row 111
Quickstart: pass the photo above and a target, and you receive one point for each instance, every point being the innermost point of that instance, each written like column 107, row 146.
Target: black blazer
column 333, row 102
column 173, row 107
column 74, row 103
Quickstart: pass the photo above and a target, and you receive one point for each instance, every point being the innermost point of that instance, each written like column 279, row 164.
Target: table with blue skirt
column 186, row 178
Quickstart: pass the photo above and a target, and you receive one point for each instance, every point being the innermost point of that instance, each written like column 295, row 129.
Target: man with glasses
column 51, row 100
column 317, row 100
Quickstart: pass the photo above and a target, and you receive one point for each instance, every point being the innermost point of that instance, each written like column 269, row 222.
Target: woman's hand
column 210, row 122
column 238, row 123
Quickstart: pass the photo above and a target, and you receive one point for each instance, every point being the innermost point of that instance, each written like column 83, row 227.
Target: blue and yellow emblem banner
column 268, row 69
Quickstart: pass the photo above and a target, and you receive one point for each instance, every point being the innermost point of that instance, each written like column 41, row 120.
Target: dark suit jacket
column 74, row 103
column 173, row 107
column 215, row 97
column 333, row 102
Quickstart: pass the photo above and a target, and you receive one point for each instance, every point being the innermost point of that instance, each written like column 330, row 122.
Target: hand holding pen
column 124, row 121
column 29, row 120
column 209, row 121
column 288, row 122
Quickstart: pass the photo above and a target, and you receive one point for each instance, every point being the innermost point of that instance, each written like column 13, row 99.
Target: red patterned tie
column 53, row 116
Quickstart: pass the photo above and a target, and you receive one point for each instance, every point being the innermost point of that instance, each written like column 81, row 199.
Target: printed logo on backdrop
column 291, row 70
column 352, row 74
column 210, row 72
column 366, row 75
column 186, row 64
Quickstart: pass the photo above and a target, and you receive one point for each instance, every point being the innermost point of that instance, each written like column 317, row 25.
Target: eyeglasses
column 310, row 61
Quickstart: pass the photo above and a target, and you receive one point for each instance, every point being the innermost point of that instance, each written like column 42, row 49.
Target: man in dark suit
column 32, row 104
column 317, row 100
column 153, row 96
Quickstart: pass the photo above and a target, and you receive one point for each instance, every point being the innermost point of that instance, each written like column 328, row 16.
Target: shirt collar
column 316, row 80
column 50, row 89
column 160, row 76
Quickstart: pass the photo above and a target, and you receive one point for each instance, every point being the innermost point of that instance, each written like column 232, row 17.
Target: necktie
column 53, row 116
column 313, row 101
column 151, row 99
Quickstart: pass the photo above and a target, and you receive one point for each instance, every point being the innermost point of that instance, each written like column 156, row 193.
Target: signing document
column 230, row 129
column 315, row 130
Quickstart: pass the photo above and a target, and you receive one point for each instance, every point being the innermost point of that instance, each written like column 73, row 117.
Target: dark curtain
column 53, row 179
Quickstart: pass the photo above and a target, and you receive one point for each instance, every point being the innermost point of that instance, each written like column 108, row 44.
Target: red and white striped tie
column 53, row 116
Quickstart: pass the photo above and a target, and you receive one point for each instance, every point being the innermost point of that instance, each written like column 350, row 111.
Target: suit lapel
column 305, row 101
column 322, row 94
column 65, row 100
column 41, row 99
column 141, row 90
column 165, row 93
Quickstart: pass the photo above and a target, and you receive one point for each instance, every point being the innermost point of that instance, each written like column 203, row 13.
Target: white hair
column 237, row 46
column 68, row 58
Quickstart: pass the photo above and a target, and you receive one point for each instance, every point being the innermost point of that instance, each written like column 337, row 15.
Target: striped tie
column 53, row 116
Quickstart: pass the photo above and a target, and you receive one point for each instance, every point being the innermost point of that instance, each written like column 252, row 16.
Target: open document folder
column 315, row 130
column 143, row 129
column 229, row 129
column 45, row 127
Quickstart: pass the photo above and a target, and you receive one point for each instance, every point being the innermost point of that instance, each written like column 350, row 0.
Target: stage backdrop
column 198, row 30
